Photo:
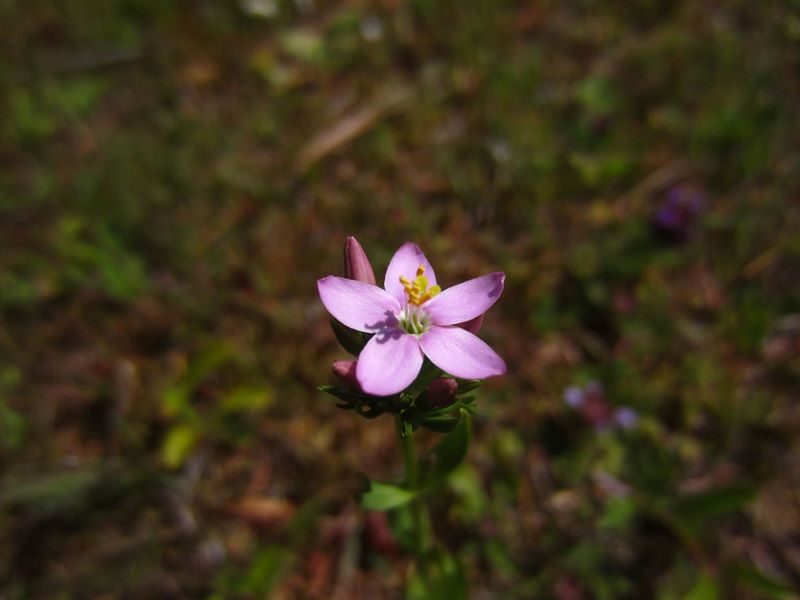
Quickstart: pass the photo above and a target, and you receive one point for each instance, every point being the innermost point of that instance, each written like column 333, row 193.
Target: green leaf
column 619, row 513
column 597, row 95
column 703, row 589
column 602, row 168
column 267, row 570
column 440, row 423
column 384, row 496
column 32, row 121
column 443, row 578
column 500, row 559
column 177, row 397
column 767, row 586
column 715, row 502
column 179, row 443
column 12, row 427
column 449, row 453
column 303, row 44
column 246, row 398
column 50, row 490
column 401, row 522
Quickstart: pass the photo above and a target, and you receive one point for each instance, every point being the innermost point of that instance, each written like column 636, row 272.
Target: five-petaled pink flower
column 412, row 318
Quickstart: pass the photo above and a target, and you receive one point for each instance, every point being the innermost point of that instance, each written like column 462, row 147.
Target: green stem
column 409, row 455
column 421, row 519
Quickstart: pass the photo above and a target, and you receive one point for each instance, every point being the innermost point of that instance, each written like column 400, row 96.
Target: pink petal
column 389, row 362
column 460, row 353
column 405, row 262
column 467, row 300
column 356, row 304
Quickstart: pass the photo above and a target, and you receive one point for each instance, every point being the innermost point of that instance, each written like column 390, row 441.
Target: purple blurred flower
column 678, row 213
column 412, row 318
column 574, row 396
column 626, row 417
column 591, row 402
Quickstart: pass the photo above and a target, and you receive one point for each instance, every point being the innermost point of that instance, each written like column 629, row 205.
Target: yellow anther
column 417, row 290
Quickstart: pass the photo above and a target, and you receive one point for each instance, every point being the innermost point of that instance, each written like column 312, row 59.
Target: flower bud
column 345, row 371
column 440, row 393
column 473, row 325
column 356, row 263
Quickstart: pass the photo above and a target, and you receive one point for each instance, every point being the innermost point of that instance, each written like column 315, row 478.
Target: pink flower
column 412, row 318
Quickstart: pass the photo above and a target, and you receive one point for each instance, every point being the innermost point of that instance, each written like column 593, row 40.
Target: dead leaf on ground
column 266, row 512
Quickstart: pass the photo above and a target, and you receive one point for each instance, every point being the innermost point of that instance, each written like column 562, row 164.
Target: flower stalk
column 419, row 509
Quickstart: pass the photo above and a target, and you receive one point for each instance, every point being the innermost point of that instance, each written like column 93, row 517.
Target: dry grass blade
column 349, row 127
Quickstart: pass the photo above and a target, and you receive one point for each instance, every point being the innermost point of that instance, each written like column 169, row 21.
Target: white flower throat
column 413, row 318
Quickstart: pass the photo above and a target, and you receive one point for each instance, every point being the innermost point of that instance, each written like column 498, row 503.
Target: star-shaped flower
column 413, row 318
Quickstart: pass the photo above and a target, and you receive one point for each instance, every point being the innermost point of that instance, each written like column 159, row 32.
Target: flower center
column 413, row 320
column 417, row 291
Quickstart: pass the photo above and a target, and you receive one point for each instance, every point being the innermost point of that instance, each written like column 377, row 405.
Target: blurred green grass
column 176, row 175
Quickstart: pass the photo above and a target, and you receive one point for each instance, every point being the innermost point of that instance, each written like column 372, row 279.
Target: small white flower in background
column 265, row 9
column 371, row 28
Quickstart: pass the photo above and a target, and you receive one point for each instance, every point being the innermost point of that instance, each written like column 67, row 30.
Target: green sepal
column 427, row 373
column 467, row 385
column 766, row 585
column 367, row 406
column 440, row 420
column 717, row 501
column 351, row 340
column 342, row 393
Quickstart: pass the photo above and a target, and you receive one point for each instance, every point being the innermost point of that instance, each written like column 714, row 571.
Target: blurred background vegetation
column 174, row 177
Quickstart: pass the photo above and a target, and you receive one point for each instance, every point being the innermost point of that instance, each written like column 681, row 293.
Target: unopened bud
column 440, row 393
column 473, row 325
column 345, row 371
column 356, row 263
